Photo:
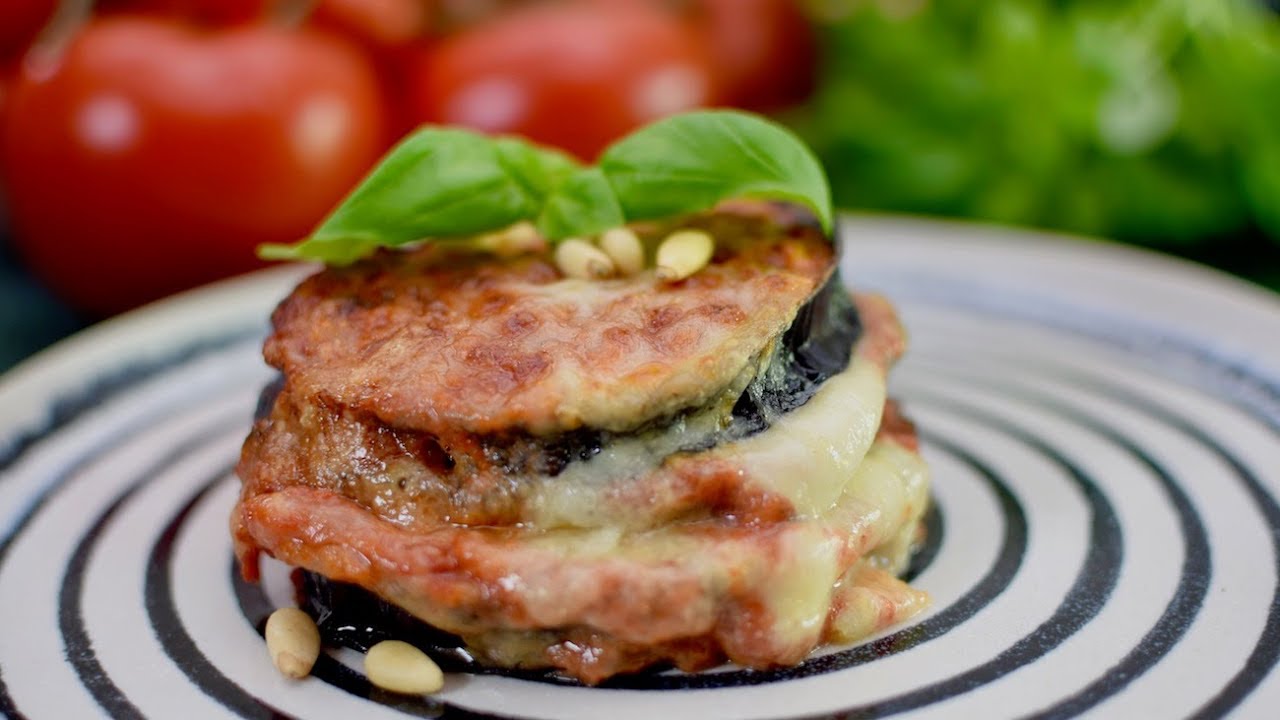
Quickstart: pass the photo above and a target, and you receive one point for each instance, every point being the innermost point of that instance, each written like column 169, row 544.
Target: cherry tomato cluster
column 151, row 145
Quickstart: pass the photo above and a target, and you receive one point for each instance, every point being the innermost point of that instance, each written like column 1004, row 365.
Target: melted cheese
column 766, row 594
column 882, row 502
column 807, row 456
column 796, row 577
column 798, row 594
column 430, row 342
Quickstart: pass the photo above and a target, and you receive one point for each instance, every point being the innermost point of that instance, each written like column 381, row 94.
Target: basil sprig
column 444, row 183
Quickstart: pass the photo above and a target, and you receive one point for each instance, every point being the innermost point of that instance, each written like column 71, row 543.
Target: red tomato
column 397, row 66
column 210, row 12
column 576, row 75
column 393, row 34
column 20, row 21
column 6, row 84
column 382, row 23
column 5, row 81
column 155, row 157
column 765, row 51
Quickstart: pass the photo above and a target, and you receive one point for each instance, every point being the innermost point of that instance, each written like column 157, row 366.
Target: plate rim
column 237, row 299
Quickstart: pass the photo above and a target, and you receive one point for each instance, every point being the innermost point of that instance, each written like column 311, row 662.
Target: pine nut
column 518, row 239
column 400, row 667
column 684, row 253
column 293, row 641
column 578, row 258
column 624, row 248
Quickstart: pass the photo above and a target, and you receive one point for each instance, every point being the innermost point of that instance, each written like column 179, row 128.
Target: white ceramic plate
column 1103, row 426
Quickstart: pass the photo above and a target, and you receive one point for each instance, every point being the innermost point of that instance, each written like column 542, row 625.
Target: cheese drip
column 883, row 499
column 817, row 580
column 806, row 456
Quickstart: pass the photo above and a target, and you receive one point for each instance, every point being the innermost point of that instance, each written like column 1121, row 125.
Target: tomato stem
column 292, row 13
column 54, row 38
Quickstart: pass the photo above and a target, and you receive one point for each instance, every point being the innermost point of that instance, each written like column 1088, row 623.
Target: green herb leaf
column 438, row 183
column 444, row 183
column 536, row 168
column 692, row 161
column 582, row 205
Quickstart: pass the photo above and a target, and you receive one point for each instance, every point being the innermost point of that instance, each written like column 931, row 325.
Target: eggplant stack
column 595, row 477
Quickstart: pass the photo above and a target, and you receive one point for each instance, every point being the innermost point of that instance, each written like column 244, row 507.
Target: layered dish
column 595, row 476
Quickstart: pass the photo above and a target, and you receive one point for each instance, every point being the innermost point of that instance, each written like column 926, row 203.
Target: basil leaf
column 439, row 182
column 584, row 204
column 539, row 170
column 444, row 182
column 692, row 161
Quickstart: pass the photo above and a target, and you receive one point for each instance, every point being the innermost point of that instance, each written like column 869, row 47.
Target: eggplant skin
column 440, row 342
column 429, row 386
column 818, row 345
column 539, row 475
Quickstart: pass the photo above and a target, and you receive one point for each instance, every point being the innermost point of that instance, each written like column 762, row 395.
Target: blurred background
column 147, row 146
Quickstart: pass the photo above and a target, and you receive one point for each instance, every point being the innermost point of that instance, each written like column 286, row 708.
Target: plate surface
column 1102, row 425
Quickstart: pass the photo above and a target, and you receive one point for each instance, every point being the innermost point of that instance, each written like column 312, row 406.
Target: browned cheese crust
column 415, row 384
column 477, row 345
column 413, row 451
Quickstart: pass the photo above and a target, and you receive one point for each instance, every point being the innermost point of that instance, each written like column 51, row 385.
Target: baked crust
column 441, row 342
column 416, row 448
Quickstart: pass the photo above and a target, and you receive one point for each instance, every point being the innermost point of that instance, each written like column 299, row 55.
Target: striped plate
column 1102, row 425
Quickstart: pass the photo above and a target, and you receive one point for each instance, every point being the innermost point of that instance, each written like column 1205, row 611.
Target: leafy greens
column 443, row 183
column 1146, row 120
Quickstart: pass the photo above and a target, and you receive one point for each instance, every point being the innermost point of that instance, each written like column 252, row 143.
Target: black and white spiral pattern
column 1103, row 430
